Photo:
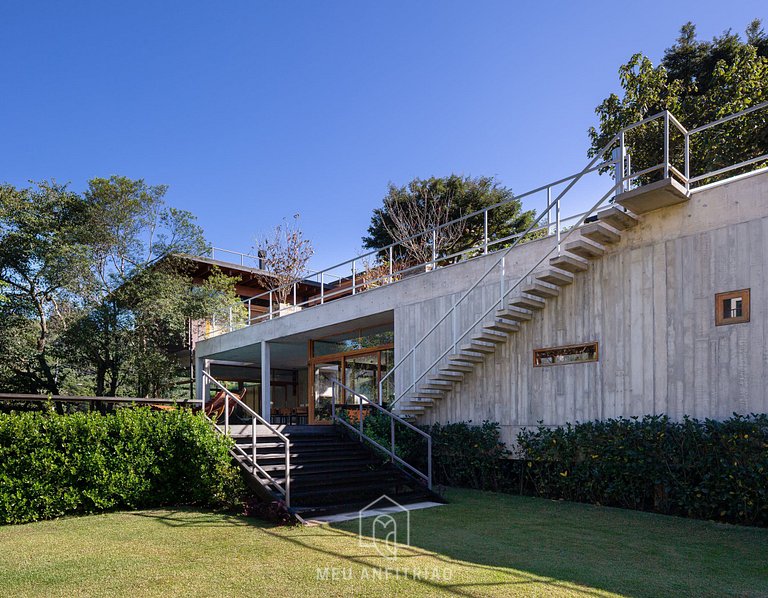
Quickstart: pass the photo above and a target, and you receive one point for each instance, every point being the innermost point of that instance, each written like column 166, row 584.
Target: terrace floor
column 481, row 544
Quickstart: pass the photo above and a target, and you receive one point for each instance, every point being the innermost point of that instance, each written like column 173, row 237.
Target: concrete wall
column 649, row 302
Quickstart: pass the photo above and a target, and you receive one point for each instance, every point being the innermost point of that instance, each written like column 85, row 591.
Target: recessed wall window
column 732, row 307
column 564, row 355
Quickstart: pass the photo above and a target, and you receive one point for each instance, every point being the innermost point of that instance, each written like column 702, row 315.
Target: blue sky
column 252, row 111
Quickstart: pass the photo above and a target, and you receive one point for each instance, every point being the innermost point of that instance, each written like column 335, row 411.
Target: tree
column 284, row 254
column 699, row 82
column 43, row 233
column 423, row 204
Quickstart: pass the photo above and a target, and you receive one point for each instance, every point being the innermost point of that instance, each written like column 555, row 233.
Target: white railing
column 389, row 264
column 283, row 489
column 340, row 390
column 445, row 335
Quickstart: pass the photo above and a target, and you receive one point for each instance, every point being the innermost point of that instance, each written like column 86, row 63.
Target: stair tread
column 541, row 289
column 570, row 262
column 600, row 232
column 618, row 218
column 555, row 276
column 585, row 248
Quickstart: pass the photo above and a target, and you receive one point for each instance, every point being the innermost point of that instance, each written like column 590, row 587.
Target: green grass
column 489, row 544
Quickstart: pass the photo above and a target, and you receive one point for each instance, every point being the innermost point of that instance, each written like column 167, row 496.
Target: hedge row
column 53, row 465
column 703, row 469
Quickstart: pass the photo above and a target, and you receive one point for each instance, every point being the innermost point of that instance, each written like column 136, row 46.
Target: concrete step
column 514, row 314
column 503, row 325
column 443, row 385
column 618, row 218
column 458, row 366
column 556, row 277
column 527, row 302
column 541, row 289
column 585, row 248
column 467, row 354
column 481, row 347
column 490, row 336
column 569, row 262
column 450, row 376
column 421, row 401
column 600, row 232
column 427, row 393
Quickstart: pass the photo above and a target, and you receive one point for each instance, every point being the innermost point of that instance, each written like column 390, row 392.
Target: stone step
column 556, row 277
column 540, row 289
column 436, row 385
column 618, row 218
column 600, row 232
column 569, row 262
column 527, row 302
column 503, row 325
column 585, row 248
column 514, row 314
column 490, row 336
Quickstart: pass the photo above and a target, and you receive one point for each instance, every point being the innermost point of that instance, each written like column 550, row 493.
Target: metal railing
column 340, row 390
column 387, row 265
column 267, row 479
column 446, row 341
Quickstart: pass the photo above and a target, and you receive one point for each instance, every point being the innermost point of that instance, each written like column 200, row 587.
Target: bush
column 463, row 454
column 53, row 465
column 703, row 469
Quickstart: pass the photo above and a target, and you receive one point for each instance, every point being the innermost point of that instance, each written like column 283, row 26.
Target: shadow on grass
column 519, row 541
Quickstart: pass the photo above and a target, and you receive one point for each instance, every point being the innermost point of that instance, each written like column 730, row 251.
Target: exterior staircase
column 330, row 472
column 547, row 283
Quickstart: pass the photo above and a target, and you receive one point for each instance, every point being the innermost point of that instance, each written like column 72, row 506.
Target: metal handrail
column 623, row 177
column 360, row 430
column 285, row 490
column 666, row 166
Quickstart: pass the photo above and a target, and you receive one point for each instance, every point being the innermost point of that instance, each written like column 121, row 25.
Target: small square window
column 732, row 307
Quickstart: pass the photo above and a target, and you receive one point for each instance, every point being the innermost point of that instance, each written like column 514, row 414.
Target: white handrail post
column 253, row 438
column 501, row 279
column 666, row 144
column 434, row 248
column 322, row 288
column 294, row 294
column 413, row 374
column 361, row 418
column 248, row 319
column 454, row 326
column 230, row 319
column 557, row 222
column 270, row 304
column 549, row 211
column 687, row 161
column 334, row 395
column 226, row 413
column 391, row 263
column 354, row 276
column 392, row 434
column 485, row 232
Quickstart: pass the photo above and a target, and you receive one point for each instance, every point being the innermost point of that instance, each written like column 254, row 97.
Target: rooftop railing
column 396, row 261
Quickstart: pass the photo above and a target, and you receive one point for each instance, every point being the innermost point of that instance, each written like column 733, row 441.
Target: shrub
column 52, row 465
column 703, row 469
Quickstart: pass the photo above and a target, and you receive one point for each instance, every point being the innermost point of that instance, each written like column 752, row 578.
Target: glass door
column 323, row 390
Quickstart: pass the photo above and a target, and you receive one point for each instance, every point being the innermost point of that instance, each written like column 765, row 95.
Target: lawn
column 480, row 544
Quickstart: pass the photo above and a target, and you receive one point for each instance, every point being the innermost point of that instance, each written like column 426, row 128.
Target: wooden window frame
column 720, row 319
column 574, row 346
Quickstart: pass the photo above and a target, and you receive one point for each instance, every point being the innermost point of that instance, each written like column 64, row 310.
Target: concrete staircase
column 330, row 472
column 547, row 283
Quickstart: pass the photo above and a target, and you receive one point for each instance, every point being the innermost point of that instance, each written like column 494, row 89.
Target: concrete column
column 201, row 384
column 266, row 390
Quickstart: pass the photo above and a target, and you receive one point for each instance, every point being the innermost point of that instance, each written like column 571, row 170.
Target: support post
column 687, row 161
column 266, row 390
column 354, row 276
column 666, row 144
column 485, row 232
column 391, row 264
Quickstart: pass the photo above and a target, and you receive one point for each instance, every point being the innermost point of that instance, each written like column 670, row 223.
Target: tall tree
column 427, row 203
column 43, row 233
column 699, row 82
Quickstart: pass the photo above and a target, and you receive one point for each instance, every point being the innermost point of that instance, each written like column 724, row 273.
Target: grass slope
column 479, row 545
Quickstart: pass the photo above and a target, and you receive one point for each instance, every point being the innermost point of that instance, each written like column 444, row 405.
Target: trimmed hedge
column 53, row 465
column 702, row 469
